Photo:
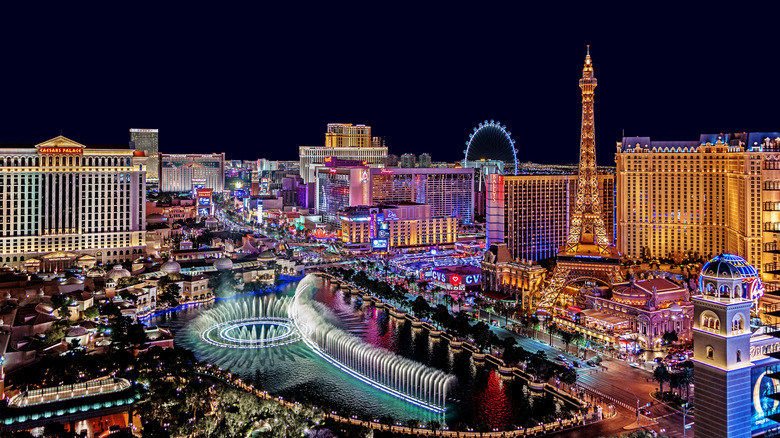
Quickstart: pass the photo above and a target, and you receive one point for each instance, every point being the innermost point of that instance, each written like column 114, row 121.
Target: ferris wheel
column 491, row 141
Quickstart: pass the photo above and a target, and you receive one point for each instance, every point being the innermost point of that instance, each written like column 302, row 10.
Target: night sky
column 259, row 81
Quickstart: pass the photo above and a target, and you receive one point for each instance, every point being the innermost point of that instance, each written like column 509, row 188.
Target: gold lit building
column 67, row 204
column 405, row 225
column 719, row 194
column 530, row 213
column 343, row 141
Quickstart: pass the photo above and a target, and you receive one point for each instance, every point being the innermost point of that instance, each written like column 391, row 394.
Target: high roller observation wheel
column 492, row 124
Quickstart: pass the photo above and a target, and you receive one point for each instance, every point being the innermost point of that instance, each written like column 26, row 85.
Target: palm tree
column 567, row 337
column 661, row 375
column 576, row 339
column 552, row 328
column 685, row 378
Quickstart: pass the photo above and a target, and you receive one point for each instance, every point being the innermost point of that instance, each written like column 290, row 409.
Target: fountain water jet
column 403, row 378
column 258, row 323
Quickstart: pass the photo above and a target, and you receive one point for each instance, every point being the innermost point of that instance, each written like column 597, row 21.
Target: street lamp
column 685, row 409
column 637, row 405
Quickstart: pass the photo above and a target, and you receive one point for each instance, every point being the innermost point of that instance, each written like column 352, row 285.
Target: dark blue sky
column 258, row 81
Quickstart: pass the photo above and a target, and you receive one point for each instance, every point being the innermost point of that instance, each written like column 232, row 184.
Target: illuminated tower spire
column 587, row 223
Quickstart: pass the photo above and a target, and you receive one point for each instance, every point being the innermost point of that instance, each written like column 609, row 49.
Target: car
column 590, row 363
column 561, row 357
column 634, row 365
column 576, row 364
column 645, row 412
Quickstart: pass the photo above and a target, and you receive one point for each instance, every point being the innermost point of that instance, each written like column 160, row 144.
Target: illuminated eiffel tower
column 587, row 254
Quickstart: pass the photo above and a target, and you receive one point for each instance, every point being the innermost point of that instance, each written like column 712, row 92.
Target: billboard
column 379, row 244
column 762, row 405
column 384, row 231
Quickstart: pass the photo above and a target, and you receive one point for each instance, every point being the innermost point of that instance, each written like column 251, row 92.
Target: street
column 615, row 381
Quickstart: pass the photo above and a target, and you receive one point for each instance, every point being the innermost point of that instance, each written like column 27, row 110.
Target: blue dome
column 732, row 267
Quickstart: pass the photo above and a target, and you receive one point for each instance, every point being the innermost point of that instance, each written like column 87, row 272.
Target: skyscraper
column 718, row 194
column 530, row 213
column 408, row 161
column 146, row 140
column 65, row 203
column 449, row 192
column 343, row 141
column 185, row 172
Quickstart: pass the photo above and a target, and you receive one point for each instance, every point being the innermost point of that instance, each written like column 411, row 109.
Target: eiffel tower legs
column 553, row 290
column 568, row 272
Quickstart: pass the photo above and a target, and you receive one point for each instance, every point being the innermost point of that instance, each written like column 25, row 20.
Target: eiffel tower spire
column 586, row 221
column 586, row 254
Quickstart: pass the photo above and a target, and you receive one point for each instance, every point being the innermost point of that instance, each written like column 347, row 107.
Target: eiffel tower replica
column 587, row 254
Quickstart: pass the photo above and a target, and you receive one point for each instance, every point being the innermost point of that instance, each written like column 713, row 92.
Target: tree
column 684, row 379
column 62, row 304
column 567, row 337
column 420, row 307
column 661, row 375
column 669, row 337
column 91, row 313
column 577, row 338
column 171, row 294
column 223, row 284
column 481, row 334
column 553, row 329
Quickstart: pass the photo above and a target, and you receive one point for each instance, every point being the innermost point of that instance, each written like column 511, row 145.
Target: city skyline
column 421, row 80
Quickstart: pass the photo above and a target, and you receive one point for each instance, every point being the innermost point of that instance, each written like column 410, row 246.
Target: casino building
column 66, row 204
column 185, row 173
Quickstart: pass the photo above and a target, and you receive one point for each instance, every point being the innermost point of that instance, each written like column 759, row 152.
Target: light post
column 685, row 409
column 637, row 405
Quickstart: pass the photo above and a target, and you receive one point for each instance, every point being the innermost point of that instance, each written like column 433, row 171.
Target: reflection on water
column 482, row 397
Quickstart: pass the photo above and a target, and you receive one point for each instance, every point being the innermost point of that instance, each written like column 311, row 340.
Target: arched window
column 737, row 324
column 710, row 352
column 739, row 355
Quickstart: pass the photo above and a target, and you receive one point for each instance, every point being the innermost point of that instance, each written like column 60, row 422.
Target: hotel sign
column 59, row 150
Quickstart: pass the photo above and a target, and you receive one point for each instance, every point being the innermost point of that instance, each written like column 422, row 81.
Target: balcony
column 772, row 206
column 772, row 268
column 772, row 185
column 772, row 227
column 771, row 247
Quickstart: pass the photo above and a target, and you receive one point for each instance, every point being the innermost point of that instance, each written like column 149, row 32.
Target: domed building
column 96, row 272
column 118, row 272
column 729, row 275
column 170, row 267
column 223, row 264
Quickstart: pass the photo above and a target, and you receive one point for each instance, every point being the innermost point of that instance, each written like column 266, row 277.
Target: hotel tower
column 64, row 203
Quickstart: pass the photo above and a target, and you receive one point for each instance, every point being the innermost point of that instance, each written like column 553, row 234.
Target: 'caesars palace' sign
column 59, row 150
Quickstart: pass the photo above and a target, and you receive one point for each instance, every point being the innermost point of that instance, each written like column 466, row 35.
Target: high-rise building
column 405, row 225
column 64, row 203
column 718, row 194
column 408, row 161
column 424, row 161
column 449, row 192
column 147, row 140
column 347, row 135
column 186, row 172
column 346, row 142
column 530, row 213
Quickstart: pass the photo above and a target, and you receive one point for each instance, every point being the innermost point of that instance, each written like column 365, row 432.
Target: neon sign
column 59, row 150
column 456, row 279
